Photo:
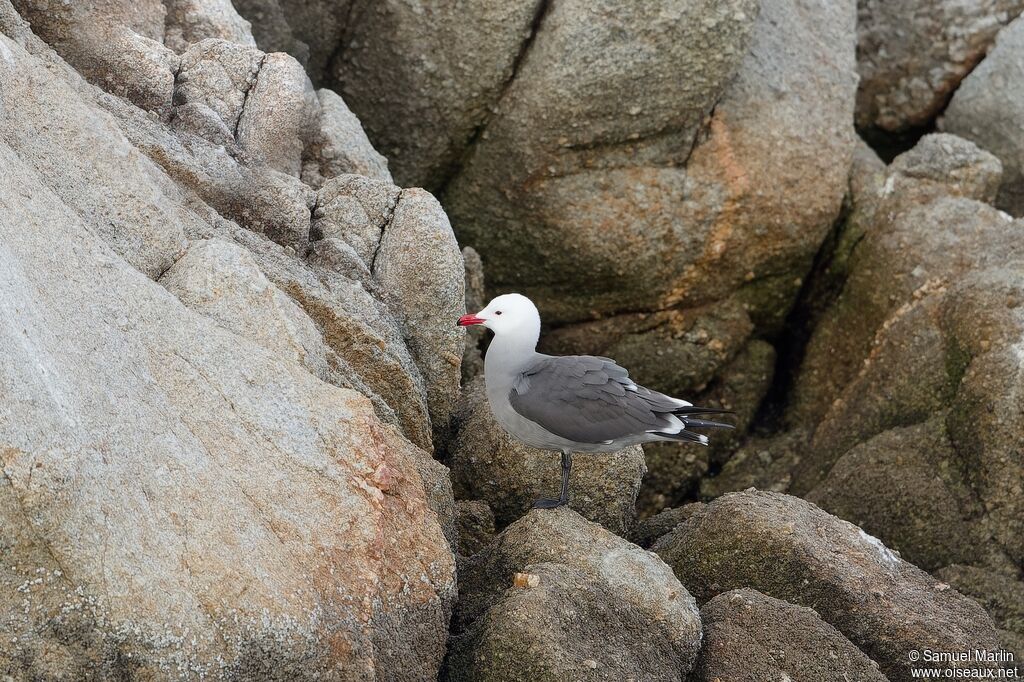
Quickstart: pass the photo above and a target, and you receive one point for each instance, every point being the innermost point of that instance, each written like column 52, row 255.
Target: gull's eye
column 498, row 313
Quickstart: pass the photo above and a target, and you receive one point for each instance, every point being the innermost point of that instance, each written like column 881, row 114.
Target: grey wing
column 590, row 399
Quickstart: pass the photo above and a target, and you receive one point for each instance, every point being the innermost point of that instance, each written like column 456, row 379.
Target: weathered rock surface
column 192, row 484
column 423, row 76
column 421, row 276
column 988, row 108
column 309, row 30
column 1000, row 594
column 545, row 160
column 653, row 527
column 674, row 470
column 789, row 549
column 754, row 638
column 229, row 349
column 280, row 110
column 340, row 145
column 476, row 299
column 191, row 21
column 117, row 45
column 475, row 522
column 913, row 55
column 921, row 503
column 488, row 464
column 905, row 343
column 255, row 577
column 555, row 597
column 599, row 190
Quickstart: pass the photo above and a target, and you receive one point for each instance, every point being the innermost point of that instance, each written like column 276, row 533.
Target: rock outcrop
column 918, row 336
column 231, row 370
column 216, row 431
column 789, row 549
column 556, row 597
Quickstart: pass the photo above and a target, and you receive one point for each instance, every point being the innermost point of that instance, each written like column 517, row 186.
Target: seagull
column 572, row 403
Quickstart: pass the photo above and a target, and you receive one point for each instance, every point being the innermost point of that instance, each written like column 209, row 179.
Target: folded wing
column 588, row 399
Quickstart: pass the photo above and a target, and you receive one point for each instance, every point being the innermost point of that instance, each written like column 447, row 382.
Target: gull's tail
column 689, row 417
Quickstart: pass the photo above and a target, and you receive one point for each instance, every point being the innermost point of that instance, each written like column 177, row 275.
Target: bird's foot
column 545, row 503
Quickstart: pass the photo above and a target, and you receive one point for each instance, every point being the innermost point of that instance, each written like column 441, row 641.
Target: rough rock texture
column 192, row 484
column 751, row 637
column 476, row 299
column 341, row 145
column 988, row 108
column 925, row 329
column 116, row 44
column 555, row 597
column 653, row 527
column 488, row 464
column 278, row 115
column 309, row 30
column 674, row 470
column 270, row 460
column 230, row 360
column 666, row 223
column 594, row 182
column 912, row 55
column 1001, row 595
column 419, row 269
column 791, row 550
column 190, row 21
column 475, row 522
column 935, row 524
column 423, row 75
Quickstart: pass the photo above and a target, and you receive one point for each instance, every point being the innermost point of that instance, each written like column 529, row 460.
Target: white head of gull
column 572, row 403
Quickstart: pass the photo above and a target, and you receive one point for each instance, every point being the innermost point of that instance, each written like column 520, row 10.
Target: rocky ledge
column 241, row 437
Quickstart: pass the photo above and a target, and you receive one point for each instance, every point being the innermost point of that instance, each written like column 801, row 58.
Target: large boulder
column 602, row 190
column 789, row 549
column 920, row 502
column 425, row 76
column 912, row 55
column 555, row 597
column 488, row 464
column 305, row 541
column 988, row 108
column 200, row 479
column 750, row 636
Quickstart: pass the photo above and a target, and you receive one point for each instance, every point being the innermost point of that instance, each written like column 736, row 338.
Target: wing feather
column 588, row 399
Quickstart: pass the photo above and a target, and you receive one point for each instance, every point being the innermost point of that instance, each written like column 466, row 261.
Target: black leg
column 563, row 498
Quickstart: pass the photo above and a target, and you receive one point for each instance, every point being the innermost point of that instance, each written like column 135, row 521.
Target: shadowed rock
column 912, row 55
column 789, row 549
column 1001, row 595
column 555, row 597
column 751, row 637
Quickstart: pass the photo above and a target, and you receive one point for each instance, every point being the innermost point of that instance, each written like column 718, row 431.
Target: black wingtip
column 704, row 424
column 695, row 410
